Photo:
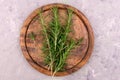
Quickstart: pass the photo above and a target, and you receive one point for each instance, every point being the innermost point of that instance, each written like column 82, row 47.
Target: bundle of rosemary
column 57, row 44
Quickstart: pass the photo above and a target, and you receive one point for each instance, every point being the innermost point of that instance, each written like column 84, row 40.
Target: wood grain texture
column 80, row 28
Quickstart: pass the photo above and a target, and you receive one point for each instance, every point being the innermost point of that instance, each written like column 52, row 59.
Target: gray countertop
column 104, row 16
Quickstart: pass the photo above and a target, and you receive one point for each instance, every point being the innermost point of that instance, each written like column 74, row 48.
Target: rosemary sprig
column 58, row 44
column 47, row 41
column 32, row 36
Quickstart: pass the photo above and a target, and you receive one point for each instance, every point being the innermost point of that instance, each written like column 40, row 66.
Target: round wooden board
column 80, row 29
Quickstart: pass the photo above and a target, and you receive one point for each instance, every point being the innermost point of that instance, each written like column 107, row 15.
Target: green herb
column 57, row 43
column 32, row 36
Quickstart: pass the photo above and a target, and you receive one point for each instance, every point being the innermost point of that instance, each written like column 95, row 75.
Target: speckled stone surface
column 104, row 16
